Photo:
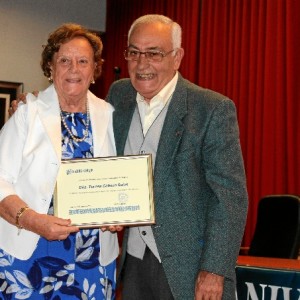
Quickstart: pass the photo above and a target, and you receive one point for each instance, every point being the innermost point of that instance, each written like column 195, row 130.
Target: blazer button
column 144, row 232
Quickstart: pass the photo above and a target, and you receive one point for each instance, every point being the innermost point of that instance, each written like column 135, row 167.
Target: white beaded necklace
column 87, row 124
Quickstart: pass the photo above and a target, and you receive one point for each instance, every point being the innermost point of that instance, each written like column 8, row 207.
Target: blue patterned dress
column 68, row 269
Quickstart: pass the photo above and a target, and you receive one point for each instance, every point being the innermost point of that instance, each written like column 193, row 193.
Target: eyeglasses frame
column 162, row 54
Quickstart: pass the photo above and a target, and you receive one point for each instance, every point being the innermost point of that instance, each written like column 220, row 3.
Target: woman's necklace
column 87, row 124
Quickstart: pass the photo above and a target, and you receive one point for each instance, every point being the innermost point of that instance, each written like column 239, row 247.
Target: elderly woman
column 43, row 256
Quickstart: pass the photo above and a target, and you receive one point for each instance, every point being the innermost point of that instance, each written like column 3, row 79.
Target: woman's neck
column 72, row 105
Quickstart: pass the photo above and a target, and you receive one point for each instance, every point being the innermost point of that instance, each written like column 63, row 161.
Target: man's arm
column 225, row 175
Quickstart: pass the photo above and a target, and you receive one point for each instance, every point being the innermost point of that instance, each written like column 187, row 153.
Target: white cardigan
column 30, row 155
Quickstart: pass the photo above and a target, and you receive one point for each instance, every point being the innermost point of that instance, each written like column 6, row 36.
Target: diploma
column 105, row 191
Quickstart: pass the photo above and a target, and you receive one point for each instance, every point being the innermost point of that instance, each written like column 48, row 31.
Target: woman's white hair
column 148, row 19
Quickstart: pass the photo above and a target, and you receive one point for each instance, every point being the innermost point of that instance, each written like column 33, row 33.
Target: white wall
column 24, row 28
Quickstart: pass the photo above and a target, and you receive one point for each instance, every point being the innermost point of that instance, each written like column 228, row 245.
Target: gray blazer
column 199, row 183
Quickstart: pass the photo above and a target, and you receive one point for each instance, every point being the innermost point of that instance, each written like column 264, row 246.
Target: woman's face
column 72, row 69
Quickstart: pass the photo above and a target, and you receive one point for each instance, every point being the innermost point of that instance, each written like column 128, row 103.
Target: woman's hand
column 47, row 226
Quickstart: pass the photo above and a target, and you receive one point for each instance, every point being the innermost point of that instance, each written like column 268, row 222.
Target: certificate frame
column 106, row 191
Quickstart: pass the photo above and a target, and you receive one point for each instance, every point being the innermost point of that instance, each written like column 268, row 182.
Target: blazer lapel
column 170, row 138
column 100, row 118
column 48, row 108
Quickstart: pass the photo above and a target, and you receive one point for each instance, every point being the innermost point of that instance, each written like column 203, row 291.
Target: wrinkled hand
column 112, row 228
column 209, row 286
column 47, row 226
column 21, row 98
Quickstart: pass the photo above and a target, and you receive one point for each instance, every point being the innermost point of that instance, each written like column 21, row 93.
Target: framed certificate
column 105, row 191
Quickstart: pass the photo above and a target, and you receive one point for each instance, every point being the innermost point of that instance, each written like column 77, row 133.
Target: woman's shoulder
column 99, row 103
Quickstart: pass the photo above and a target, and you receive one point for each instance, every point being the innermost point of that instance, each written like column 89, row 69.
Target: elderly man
column 199, row 180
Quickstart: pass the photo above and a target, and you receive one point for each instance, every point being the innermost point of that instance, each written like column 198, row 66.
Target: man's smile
column 145, row 76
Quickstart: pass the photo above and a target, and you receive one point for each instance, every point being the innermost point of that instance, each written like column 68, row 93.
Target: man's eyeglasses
column 151, row 55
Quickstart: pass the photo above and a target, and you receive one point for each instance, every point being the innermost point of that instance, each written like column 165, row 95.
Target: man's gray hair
column 148, row 19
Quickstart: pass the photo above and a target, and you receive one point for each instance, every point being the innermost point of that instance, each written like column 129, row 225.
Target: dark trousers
column 144, row 279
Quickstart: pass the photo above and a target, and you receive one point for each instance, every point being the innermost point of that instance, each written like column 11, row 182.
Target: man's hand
column 21, row 98
column 209, row 286
column 112, row 228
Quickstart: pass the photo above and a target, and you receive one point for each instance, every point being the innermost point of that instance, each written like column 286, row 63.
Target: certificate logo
column 123, row 198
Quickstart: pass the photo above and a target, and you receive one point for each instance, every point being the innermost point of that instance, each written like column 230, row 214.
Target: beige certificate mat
column 105, row 191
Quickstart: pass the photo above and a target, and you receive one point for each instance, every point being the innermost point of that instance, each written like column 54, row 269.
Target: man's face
column 147, row 77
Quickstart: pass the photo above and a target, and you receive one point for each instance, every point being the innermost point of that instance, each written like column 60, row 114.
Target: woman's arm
column 14, row 210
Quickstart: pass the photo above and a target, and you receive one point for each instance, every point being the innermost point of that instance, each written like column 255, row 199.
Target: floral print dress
column 68, row 269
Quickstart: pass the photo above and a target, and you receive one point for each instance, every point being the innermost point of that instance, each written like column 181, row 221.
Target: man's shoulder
column 199, row 96
column 120, row 90
column 121, row 85
column 197, row 90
